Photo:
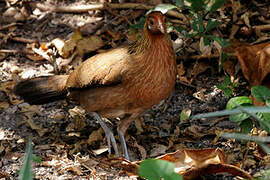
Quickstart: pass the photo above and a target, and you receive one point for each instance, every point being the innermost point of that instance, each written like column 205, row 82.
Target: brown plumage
column 123, row 82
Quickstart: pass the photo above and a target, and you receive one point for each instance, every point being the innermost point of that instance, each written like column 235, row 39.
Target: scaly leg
column 123, row 144
column 122, row 128
column 108, row 133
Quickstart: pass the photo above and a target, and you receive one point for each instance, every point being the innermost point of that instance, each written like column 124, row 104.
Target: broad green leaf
column 267, row 102
column 265, row 121
column 139, row 25
column 216, row 5
column 179, row 2
column 222, row 42
column 164, row 8
column 238, row 101
column 197, row 24
column 179, row 29
column 211, row 24
column 197, row 5
column 26, row 169
column 261, row 93
column 154, row 169
column 206, row 42
column 238, row 118
column 246, row 126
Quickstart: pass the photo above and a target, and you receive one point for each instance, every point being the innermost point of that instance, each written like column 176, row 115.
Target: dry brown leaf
column 95, row 136
column 194, row 131
column 38, row 128
column 157, row 150
column 70, row 44
column 89, row 44
column 181, row 69
column 78, row 114
column 255, row 62
column 4, row 105
column 192, row 163
column 205, row 49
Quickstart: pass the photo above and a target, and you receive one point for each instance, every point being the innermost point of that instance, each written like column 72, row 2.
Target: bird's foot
column 109, row 134
column 123, row 144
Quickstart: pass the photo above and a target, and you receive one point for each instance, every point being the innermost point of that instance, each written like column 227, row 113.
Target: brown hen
column 123, row 82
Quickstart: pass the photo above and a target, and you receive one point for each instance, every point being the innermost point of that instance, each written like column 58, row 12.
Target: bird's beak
column 161, row 27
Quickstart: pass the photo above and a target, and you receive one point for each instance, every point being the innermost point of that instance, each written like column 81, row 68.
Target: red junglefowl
column 122, row 82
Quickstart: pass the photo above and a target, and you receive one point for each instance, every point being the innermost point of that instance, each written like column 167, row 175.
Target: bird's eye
column 151, row 22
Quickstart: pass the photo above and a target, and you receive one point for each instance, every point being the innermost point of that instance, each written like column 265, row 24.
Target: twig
column 19, row 39
column 99, row 6
column 212, row 56
column 9, row 25
column 12, row 51
column 262, row 27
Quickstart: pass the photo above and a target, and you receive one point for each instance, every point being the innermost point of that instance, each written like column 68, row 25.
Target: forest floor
column 70, row 142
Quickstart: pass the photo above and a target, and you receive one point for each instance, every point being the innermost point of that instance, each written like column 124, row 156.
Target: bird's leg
column 108, row 133
column 123, row 144
column 122, row 127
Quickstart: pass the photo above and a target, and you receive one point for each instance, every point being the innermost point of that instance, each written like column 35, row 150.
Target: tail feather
column 42, row 90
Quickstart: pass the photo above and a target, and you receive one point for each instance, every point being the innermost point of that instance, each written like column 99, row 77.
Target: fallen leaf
column 158, row 149
column 95, row 136
column 255, row 62
column 70, row 44
column 192, row 163
column 89, row 44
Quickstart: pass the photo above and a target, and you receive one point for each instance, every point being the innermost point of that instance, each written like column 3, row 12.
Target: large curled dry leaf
column 255, row 62
column 191, row 163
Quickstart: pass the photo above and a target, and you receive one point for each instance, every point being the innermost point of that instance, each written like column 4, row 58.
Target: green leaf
column 26, row 169
column 222, row 42
column 164, row 8
column 36, row 158
column 154, row 169
column 238, row 118
column 206, row 42
column 179, row 29
column 246, row 126
column 216, row 5
column 211, row 24
column 238, row 101
column 185, row 114
column 197, row 5
column 197, row 24
column 261, row 93
column 138, row 25
column 179, row 2
column 265, row 121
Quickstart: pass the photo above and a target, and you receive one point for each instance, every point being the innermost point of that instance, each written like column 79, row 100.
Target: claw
column 109, row 134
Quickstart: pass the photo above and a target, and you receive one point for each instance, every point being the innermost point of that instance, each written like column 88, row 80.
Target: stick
column 19, row 39
column 99, row 6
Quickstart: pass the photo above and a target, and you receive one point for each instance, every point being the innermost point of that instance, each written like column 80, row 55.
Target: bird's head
column 155, row 23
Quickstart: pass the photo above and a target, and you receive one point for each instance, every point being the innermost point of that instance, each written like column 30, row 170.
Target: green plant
column 242, row 112
column 198, row 11
column 26, row 169
column 154, row 169
column 227, row 86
